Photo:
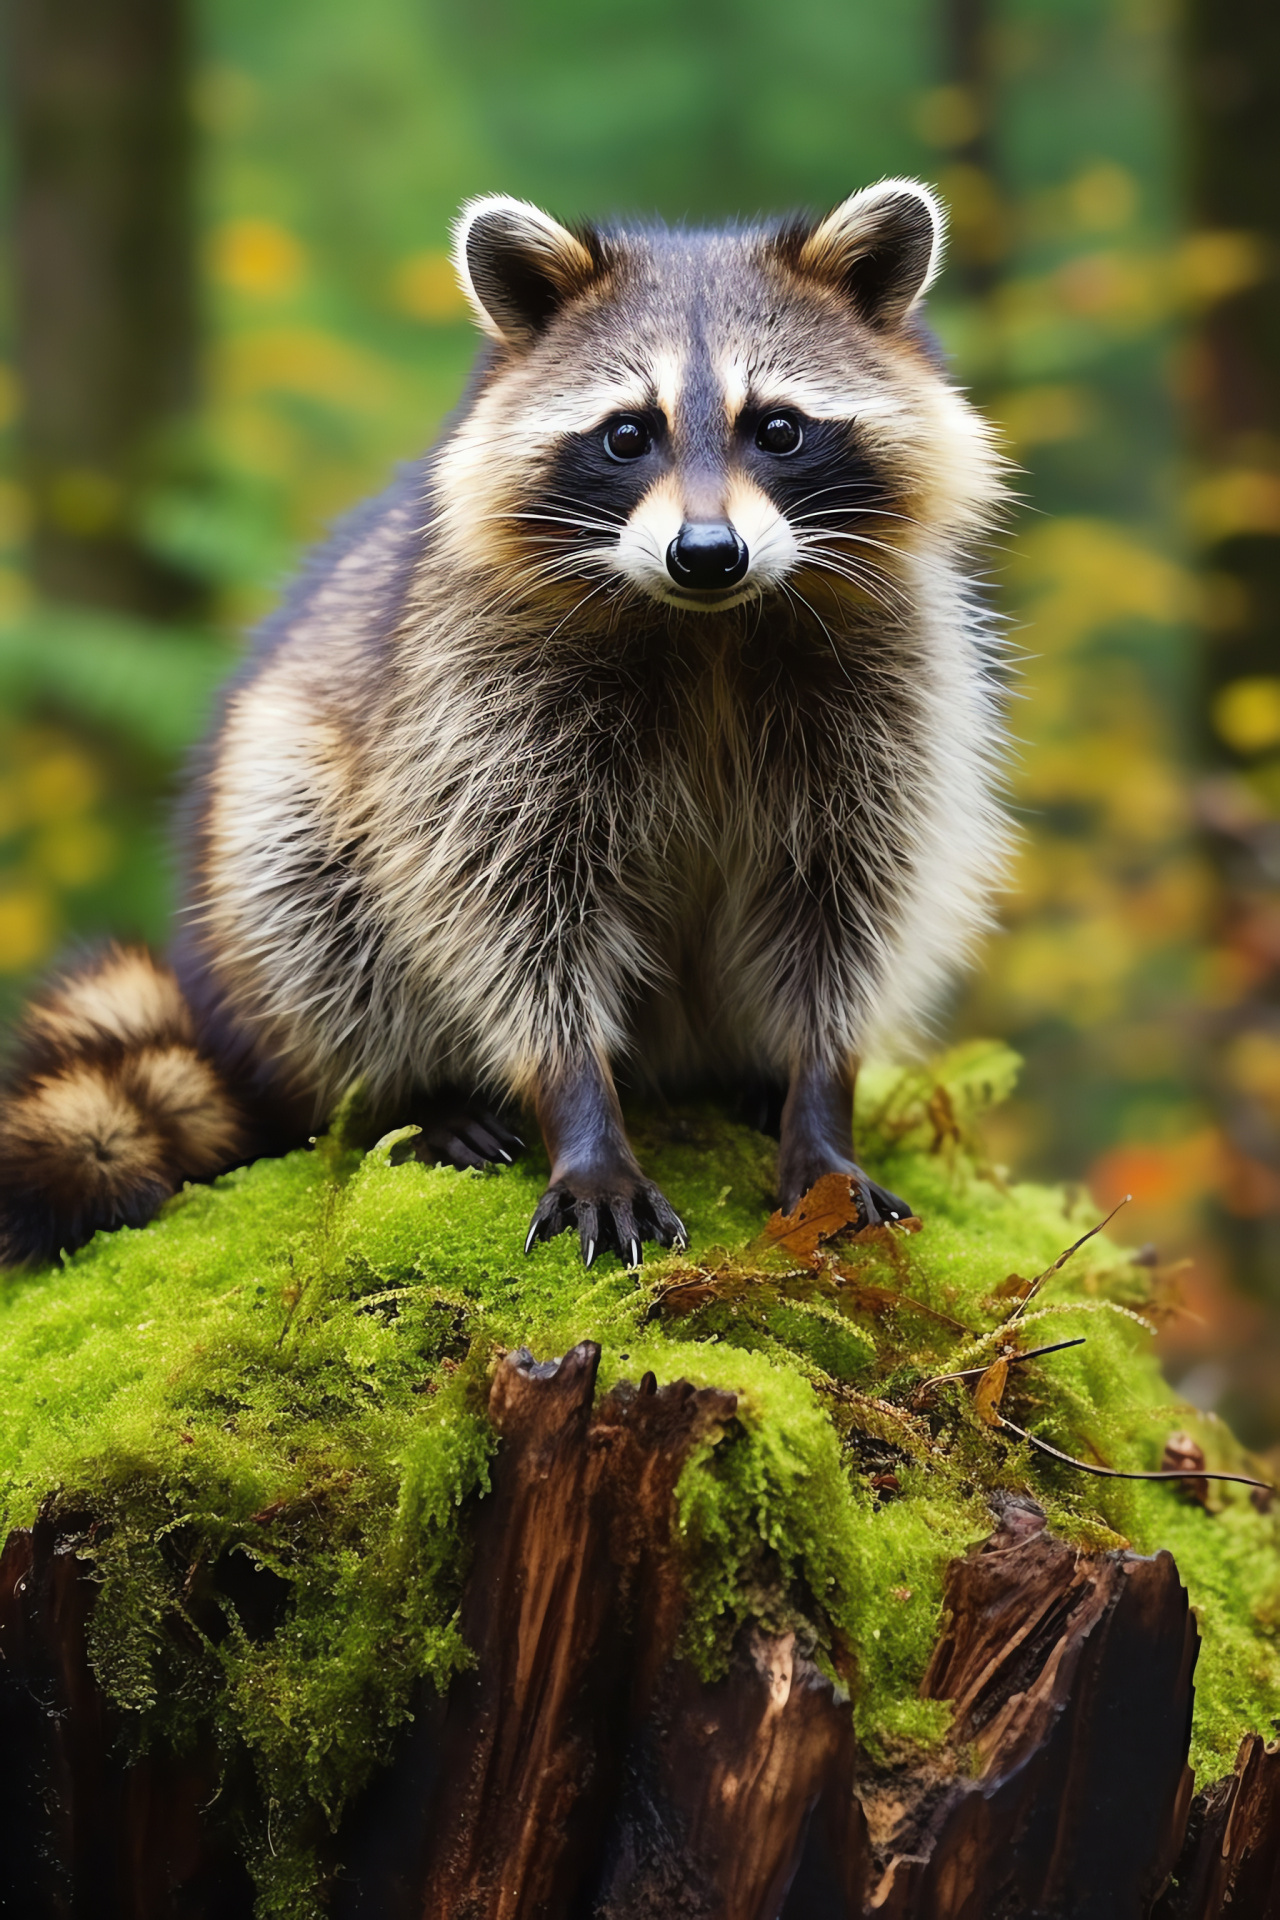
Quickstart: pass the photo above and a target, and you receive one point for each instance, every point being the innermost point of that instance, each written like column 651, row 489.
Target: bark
column 582, row 1769
column 973, row 184
column 572, row 1603
column 1232, row 91
column 105, row 283
column 1230, row 1859
column 83, row 1835
column 1072, row 1681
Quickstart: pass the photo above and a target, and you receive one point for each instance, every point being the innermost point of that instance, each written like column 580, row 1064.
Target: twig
column 1061, row 1261
column 1116, row 1473
column 1014, row 1359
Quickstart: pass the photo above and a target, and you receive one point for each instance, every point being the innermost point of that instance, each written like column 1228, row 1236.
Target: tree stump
column 582, row 1771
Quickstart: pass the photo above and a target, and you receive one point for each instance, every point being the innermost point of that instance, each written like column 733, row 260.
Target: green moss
column 286, row 1372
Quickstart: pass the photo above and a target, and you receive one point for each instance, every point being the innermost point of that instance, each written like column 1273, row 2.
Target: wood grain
column 582, row 1771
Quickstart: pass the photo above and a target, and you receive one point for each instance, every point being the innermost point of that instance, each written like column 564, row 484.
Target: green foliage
column 288, row 1370
column 148, row 684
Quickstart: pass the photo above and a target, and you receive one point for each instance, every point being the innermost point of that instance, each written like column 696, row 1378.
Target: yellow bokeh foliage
column 257, row 257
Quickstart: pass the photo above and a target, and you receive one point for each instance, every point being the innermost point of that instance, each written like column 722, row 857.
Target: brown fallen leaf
column 686, row 1296
column 1012, row 1358
column 831, row 1206
column 989, row 1392
column 869, row 1299
column 942, row 1118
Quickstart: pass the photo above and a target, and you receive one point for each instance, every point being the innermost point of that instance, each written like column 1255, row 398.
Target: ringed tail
column 109, row 1107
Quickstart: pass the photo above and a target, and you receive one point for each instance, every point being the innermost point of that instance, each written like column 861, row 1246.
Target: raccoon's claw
column 553, row 1213
column 879, row 1206
column 466, row 1137
column 617, row 1219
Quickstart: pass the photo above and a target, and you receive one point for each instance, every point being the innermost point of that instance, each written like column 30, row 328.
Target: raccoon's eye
column 627, row 437
column 779, row 433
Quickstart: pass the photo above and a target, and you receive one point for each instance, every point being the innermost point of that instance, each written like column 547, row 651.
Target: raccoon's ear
column 517, row 266
column 882, row 247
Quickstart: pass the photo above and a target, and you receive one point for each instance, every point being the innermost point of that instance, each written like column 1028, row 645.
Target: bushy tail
column 109, row 1108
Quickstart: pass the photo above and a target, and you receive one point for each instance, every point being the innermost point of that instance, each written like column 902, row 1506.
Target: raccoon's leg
column 817, row 1138
column 110, row 1107
column 596, row 1180
column 760, row 1105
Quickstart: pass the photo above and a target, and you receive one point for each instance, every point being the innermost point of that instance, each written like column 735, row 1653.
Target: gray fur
column 468, row 821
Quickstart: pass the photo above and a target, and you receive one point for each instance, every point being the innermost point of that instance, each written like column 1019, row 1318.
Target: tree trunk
column 971, row 182
column 105, row 284
column 582, row 1769
column 1232, row 64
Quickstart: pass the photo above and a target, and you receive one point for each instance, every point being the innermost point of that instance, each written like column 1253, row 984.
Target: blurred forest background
column 227, row 312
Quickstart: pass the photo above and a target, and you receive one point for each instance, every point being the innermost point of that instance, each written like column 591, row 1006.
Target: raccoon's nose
column 707, row 554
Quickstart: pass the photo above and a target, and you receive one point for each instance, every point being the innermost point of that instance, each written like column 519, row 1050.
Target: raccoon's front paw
column 462, row 1136
column 615, row 1214
column 878, row 1206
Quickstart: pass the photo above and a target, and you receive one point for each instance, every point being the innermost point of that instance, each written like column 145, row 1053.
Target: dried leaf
column 686, row 1296
column 869, row 1299
column 980, row 1373
column 829, row 1207
column 989, row 1392
column 942, row 1118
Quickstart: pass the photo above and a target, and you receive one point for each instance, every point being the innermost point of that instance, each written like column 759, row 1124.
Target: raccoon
column 648, row 728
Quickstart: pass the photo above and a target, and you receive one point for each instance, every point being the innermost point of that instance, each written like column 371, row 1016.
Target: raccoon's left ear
column 882, row 247
column 517, row 266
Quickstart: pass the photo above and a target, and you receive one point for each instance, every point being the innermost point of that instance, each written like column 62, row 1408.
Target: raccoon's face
column 708, row 418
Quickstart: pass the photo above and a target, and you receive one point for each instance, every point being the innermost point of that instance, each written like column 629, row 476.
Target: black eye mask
column 590, row 490
column 824, row 481
column 814, row 471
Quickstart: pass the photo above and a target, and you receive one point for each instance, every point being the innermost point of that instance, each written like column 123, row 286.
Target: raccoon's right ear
column 881, row 247
column 517, row 266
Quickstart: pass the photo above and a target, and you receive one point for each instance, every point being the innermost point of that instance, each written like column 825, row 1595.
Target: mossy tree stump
column 321, row 1597
column 580, row 1768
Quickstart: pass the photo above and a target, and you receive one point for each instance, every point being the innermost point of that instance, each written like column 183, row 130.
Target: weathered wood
column 580, row 1771
column 82, row 1834
column 1072, row 1677
column 1230, row 1859
column 721, row 1783
column 571, row 1606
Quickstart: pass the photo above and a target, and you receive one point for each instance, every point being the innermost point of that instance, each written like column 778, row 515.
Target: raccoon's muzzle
column 707, row 556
